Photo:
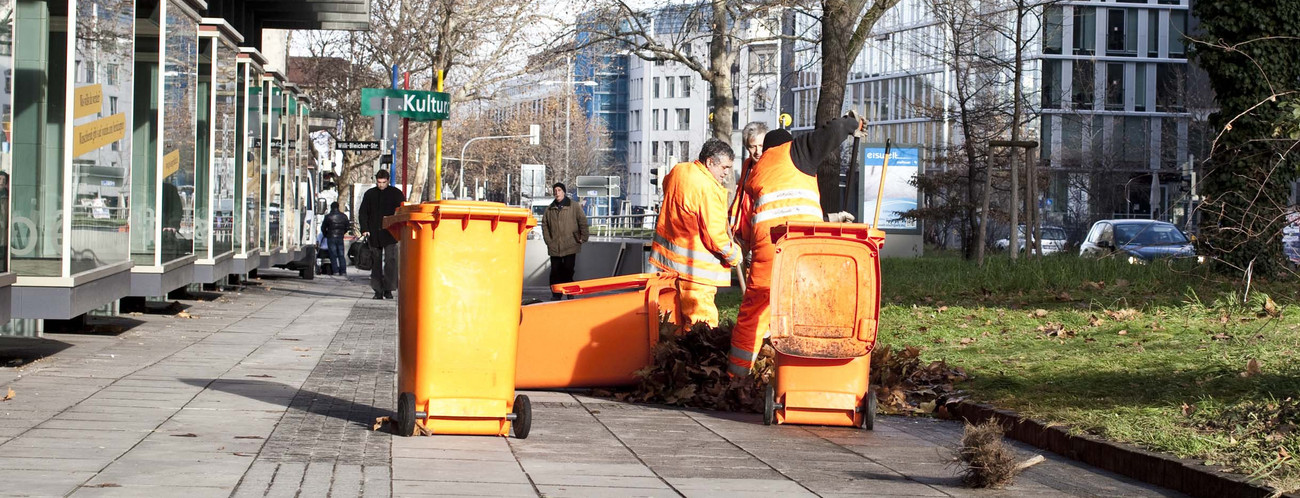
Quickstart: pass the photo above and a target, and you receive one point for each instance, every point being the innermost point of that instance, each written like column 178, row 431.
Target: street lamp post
column 568, row 94
column 532, row 136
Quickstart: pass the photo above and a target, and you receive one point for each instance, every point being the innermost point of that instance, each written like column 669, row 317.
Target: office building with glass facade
column 135, row 157
column 1116, row 106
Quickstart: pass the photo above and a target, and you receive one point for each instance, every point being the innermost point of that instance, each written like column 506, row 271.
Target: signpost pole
column 406, row 131
column 437, row 161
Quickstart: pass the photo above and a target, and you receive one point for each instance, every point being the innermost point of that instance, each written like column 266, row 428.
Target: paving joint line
column 629, row 449
column 877, row 462
column 691, row 416
column 169, row 418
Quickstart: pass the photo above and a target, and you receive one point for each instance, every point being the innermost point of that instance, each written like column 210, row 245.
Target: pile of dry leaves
column 691, row 370
column 905, row 386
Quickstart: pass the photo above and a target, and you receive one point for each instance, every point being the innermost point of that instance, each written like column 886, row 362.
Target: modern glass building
column 133, row 159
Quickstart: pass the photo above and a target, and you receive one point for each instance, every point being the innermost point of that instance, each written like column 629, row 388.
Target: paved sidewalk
column 270, row 392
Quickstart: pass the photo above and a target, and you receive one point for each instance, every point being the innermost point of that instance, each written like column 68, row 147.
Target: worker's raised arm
column 809, row 149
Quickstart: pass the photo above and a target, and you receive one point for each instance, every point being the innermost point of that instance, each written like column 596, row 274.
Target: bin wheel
column 523, row 417
column 869, row 410
column 769, row 405
column 405, row 414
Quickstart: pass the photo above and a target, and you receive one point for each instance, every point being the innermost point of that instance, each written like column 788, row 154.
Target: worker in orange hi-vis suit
column 691, row 236
column 781, row 188
column 752, row 136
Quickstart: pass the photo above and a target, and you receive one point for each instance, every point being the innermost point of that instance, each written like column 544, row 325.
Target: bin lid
column 432, row 212
column 825, row 294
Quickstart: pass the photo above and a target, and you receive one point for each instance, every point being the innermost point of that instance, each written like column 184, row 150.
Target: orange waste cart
column 598, row 340
column 825, row 306
column 462, row 274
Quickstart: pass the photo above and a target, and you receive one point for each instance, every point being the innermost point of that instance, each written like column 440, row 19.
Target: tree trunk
column 1016, row 115
column 720, row 67
column 837, row 32
column 981, row 238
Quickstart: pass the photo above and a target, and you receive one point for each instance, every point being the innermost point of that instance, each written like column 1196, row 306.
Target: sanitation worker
column 691, row 236
column 783, row 188
column 752, row 135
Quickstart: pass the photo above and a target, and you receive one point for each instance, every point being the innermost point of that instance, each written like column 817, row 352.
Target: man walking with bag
column 335, row 226
column 378, row 202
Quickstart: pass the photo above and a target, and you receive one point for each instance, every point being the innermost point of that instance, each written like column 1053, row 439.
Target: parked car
column 1054, row 240
column 1140, row 241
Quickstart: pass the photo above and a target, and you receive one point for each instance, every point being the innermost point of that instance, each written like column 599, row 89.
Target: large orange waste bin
column 462, row 274
column 825, row 305
column 599, row 339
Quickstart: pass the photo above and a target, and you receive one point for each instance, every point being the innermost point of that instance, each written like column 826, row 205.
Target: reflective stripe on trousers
column 724, row 277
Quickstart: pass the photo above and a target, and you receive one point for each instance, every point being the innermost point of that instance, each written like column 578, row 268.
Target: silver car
column 1053, row 240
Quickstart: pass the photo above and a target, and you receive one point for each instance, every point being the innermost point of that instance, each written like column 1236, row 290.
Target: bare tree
column 673, row 33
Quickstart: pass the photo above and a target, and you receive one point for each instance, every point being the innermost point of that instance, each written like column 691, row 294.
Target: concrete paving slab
column 705, row 487
column 42, row 482
column 603, row 492
column 421, row 469
column 138, row 490
column 446, row 489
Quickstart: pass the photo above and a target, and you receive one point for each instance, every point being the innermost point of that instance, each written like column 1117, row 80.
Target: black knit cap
column 560, row 186
column 776, row 137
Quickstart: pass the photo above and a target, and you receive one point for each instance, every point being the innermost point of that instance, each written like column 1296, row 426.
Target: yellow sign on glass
column 171, row 163
column 98, row 133
column 88, row 100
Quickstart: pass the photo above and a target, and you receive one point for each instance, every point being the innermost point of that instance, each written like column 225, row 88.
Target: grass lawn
column 1164, row 356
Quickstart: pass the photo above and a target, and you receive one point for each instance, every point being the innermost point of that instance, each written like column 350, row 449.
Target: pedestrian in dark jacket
column 564, row 228
column 335, row 226
column 378, row 202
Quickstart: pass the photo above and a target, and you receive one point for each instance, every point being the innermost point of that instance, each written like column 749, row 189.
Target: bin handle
column 654, row 287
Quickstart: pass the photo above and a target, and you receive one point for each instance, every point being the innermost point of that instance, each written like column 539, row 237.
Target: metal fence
column 628, row 226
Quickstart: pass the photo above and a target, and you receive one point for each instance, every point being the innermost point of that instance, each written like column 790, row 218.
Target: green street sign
column 417, row 105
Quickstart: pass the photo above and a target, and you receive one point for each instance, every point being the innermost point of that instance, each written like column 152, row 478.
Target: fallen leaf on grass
column 1040, row 313
column 1122, row 332
column 187, row 434
column 1188, row 410
column 1095, row 320
column 1094, row 285
column 1270, row 308
column 1122, row 315
column 1121, row 283
column 967, row 340
column 9, row 395
column 1064, row 296
column 1053, row 329
column 943, row 309
column 1252, row 368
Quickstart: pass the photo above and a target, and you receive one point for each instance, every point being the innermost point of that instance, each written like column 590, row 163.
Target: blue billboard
column 900, row 195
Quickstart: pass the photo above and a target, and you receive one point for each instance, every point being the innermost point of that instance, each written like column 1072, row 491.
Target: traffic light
column 654, row 176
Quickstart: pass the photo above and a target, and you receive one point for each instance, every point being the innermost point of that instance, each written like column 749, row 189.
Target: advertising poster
column 900, row 195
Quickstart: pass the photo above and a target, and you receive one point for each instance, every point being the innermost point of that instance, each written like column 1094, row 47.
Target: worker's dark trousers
column 383, row 271
column 562, row 272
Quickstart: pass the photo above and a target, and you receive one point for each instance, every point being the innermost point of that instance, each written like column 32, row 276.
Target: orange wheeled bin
column 825, row 305
column 600, row 339
column 462, row 274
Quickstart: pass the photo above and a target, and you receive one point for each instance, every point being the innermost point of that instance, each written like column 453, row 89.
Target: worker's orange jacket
column 775, row 192
column 691, row 236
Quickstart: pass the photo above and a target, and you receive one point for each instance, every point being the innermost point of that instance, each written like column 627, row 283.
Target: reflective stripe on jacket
column 691, row 235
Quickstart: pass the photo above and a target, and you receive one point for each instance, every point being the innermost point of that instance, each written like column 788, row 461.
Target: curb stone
column 1166, row 471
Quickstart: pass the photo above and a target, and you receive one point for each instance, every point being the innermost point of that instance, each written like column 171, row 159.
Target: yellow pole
column 880, row 194
column 437, row 154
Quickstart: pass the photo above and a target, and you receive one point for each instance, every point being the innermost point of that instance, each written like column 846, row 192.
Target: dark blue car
column 1139, row 241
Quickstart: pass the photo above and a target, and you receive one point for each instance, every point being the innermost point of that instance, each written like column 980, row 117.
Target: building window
column 672, row 86
column 683, row 119
column 686, row 86
column 686, row 150
column 654, row 119
column 668, row 151
column 1051, row 84
column 1170, row 87
column 1121, row 32
column 1153, row 33
column 1177, row 33
column 1085, row 30
column 1140, row 89
column 9, row 81
column 110, row 74
column 112, row 106
column 655, row 91
column 1083, row 84
column 1053, row 29
column 760, row 99
column 1115, row 86
column 654, row 152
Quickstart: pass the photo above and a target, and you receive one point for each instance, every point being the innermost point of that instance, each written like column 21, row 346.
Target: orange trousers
column 696, row 303
column 754, row 320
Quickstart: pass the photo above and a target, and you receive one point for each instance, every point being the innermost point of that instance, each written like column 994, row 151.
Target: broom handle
column 880, row 194
column 848, row 180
